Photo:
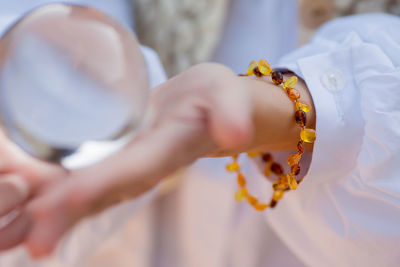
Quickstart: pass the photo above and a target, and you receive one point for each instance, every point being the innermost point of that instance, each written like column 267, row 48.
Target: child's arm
column 205, row 110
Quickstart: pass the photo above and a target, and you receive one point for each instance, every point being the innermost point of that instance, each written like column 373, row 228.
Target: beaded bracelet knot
column 288, row 181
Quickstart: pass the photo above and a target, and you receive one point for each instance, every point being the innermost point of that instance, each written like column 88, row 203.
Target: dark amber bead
column 296, row 169
column 276, row 168
column 273, row 203
column 267, row 157
column 300, row 147
column 257, row 72
column 277, row 77
column 301, row 118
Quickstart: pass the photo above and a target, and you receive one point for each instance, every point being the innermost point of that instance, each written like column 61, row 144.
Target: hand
column 21, row 176
column 203, row 110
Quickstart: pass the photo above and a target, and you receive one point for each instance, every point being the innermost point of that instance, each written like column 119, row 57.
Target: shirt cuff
column 328, row 78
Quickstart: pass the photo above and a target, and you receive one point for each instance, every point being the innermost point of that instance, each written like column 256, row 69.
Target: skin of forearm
column 274, row 123
column 146, row 160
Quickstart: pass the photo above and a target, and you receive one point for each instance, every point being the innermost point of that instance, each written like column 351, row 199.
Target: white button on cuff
column 334, row 80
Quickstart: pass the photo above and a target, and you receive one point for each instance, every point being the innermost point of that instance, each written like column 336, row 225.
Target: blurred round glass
column 69, row 74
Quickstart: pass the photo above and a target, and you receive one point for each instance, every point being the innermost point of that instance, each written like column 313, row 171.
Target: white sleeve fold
column 347, row 211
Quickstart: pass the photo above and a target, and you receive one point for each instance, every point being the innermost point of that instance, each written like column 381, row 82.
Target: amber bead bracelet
column 288, row 181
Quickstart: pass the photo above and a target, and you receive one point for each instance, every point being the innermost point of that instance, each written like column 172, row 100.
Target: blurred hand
column 203, row 111
column 21, row 177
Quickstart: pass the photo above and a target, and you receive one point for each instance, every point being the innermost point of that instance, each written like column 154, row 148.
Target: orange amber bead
column 264, row 67
column 308, row 135
column 279, row 185
column 251, row 68
column 233, row 167
column 260, row 206
column 278, row 194
column 241, row 180
column 276, row 168
column 277, row 77
column 252, row 200
column 292, row 81
column 293, row 159
column 302, row 106
column 241, row 194
column 293, row 94
column 301, row 118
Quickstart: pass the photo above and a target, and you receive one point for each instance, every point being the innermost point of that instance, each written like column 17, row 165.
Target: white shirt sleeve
column 347, row 210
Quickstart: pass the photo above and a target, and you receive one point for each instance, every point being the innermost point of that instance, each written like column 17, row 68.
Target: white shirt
column 347, row 210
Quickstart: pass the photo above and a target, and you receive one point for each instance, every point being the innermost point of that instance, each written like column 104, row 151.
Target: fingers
column 128, row 173
column 14, row 190
column 14, row 233
column 48, row 225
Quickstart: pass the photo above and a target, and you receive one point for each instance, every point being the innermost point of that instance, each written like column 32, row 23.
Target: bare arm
column 204, row 111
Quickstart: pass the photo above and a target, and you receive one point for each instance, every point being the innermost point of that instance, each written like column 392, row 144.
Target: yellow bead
column 292, row 182
column 233, row 167
column 293, row 159
column 264, row 67
column 241, row 180
column 290, row 82
column 251, row 67
column 252, row 200
column 241, row 194
column 253, row 154
column 260, row 207
column 278, row 195
column 302, row 106
column 308, row 135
